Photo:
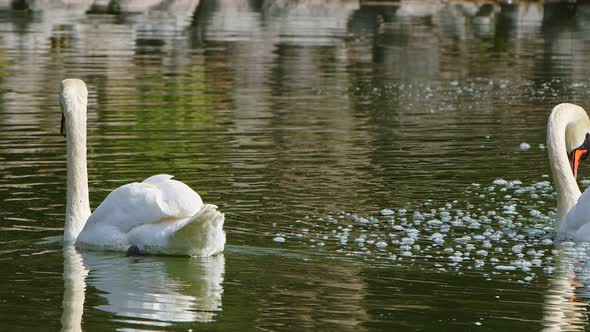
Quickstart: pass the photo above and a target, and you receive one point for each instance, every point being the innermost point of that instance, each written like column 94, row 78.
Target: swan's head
column 578, row 144
column 73, row 97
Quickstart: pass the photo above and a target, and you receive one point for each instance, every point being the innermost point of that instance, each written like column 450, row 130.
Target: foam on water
column 501, row 230
column 279, row 239
column 508, row 233
column 386, row 212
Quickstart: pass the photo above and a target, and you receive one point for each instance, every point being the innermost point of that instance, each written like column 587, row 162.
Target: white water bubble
column 535, row 213
column 546, row 242
column 505, row 267
column 408, row 241
column 481, row 253
column 474, row 225
column 434, row 222
column 517, row 248
column 457, row 224
column 500, row 182
column 386, row 212
column 381, row 244
column 463, row 239
column 279, row 239
column 456, row 259
column 412, row 232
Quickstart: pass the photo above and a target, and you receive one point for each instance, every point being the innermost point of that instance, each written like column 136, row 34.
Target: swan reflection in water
column 152, row 290
column 566, row 299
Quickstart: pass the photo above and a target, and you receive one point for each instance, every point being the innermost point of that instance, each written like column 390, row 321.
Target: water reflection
column 75, row 273
column 566, row 300
column 146, row 290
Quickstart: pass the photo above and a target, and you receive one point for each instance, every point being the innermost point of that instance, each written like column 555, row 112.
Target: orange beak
column 576, row 158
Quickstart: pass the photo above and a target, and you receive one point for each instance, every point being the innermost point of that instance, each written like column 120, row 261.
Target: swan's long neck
column 78, row 205
column 562, row 119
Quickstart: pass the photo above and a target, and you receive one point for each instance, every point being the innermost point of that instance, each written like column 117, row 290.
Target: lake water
column 382, row 142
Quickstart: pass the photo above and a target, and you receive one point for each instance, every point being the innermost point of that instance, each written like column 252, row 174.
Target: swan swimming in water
column 157, row 216
column 568, row 144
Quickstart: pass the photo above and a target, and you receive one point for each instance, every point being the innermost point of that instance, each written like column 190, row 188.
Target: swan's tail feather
column 203, row 235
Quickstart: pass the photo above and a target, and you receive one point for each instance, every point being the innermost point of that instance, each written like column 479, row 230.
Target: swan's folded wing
column 578, row 216
column 159, row 198
column 129, row 206
column 201, row 235
column 177, row 200
column 156, row 179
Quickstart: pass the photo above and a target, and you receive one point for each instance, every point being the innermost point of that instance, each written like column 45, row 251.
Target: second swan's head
column 73, row 97
column 580, row 153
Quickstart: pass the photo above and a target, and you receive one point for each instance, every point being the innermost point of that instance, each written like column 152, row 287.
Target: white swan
column 568, row 143
column 156, row 216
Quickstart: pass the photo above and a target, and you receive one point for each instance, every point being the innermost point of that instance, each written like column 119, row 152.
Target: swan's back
column 160, row 215
column 177, row 200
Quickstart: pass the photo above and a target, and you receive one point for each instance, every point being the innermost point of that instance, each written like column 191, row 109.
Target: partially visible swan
column 156, row 216
column 568, row 143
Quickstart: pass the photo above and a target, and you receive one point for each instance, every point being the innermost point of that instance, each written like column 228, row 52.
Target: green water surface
column 300, row 120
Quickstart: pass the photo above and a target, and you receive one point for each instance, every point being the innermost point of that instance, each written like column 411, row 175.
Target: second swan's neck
column 78, row 205
column 563, row 118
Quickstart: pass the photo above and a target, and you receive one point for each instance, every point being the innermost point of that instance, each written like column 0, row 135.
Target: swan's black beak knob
column 579, row 154
column 134, row 251
column 62, row 130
